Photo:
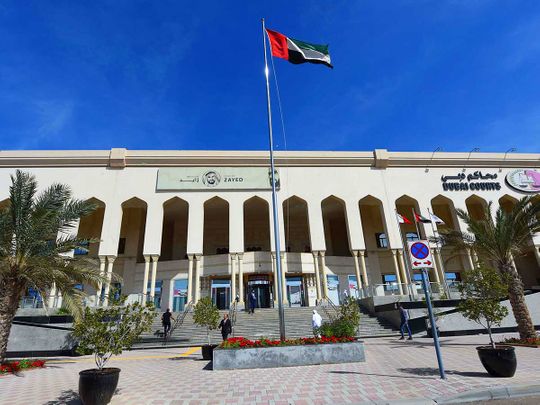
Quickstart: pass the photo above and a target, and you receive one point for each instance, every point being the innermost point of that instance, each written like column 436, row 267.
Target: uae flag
column 420, row 218
column 402, row 219
column 296, row 51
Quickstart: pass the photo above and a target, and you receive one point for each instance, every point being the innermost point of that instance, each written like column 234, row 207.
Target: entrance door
column 260, row 285
column 294, row 291
column 179, row 295
column 221, row 293
column 333, row 288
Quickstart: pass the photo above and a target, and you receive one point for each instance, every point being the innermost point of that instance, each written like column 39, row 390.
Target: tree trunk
column 516, row 296
column 9, row 303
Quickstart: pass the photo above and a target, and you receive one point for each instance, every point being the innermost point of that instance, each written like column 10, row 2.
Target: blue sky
column 409, row 75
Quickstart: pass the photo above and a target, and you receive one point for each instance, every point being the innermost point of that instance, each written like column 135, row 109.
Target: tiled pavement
column 393, row 370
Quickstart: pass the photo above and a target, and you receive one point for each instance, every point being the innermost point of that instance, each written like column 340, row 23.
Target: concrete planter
column 288, row 356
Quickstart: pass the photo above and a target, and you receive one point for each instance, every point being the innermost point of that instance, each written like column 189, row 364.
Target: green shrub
column 206, row 314
column 345, row 324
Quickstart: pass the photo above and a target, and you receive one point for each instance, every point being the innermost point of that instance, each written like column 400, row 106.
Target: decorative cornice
column 119, row 158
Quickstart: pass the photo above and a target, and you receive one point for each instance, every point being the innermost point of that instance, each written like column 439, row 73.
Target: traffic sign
column 420, row 254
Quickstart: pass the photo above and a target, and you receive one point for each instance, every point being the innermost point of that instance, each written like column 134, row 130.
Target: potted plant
column 206, row 314
column 482, row 290
column 104, row 332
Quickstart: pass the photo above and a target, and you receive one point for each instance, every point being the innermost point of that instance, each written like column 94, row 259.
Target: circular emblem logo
column 526, row 180
column 211, row 178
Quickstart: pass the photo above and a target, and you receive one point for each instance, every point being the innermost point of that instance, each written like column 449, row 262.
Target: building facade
column 180, row 225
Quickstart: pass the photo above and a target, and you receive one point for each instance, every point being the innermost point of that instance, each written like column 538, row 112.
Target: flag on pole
column 296, row 51
column 420, row 218
column 436, row 219
column 402, row 219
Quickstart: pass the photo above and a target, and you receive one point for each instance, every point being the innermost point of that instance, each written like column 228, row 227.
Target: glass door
column 295, row 291
column 333, row 288
column 353, row 287
column 179, row 295
column 221, row 293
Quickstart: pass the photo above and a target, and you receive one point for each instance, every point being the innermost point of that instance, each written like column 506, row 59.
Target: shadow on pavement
column 184, row 358
column 426, row 371
column 209, row 366
column 69, row 397
column 373, row 374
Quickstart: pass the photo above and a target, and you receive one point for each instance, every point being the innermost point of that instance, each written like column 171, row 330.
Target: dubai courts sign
column 214, row 178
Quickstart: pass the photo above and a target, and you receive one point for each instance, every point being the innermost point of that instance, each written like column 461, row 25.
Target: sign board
column 420, row 254
column 476, row 181
column 214, row 178
column 526, row 180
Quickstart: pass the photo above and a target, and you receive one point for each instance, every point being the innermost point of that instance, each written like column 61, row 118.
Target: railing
column 178, row 322
column 326, row 303
column 379, row 290
column 31, row 302
column 232, row 314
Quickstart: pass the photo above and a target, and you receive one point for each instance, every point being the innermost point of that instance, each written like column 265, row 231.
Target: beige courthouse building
column 180, row 225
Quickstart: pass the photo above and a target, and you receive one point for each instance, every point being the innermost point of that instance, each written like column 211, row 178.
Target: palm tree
column 498, row 239
column 35, row 243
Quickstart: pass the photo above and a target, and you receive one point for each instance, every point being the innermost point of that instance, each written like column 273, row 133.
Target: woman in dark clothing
column 225, row 326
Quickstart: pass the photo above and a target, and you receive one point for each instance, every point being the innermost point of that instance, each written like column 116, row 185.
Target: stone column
column 155, row 259
column 439, row 260
column 52, row 296
column 537, row 254
column 240, row 278
column 190, row 279
column 197, row 278
column 363, row 265
column 323, row 274
column 396, row 270
column 357, row 272
column 110, row 261
column 317, row 275
column 102, row 263
column 404, row 276
column 475, row 259
column 233, row 277
column 147, row 259
column 283, row 279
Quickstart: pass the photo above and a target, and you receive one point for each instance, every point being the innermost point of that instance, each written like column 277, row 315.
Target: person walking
column 225, row 326
column 252, row 302
column 316, row 322
column 166, row 321
column 404, row 323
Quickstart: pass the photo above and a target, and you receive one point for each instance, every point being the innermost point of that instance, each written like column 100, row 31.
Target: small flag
column 402, row 219
column 296, row 51
column 420, row 218
column 436, row 219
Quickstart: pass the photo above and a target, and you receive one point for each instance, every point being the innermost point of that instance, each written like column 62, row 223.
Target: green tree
column 498, row 239
column 35, row 243
column 482, row 290
column 105, row 332
column 206, row 314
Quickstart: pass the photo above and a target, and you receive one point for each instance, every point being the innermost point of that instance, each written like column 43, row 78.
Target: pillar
column 190, row 279
column 396, row 270
column 233, row 277
column 404, row 276
column 283, row 279
column 363, row 265
column 155, row 259
column 357, row 272
column 323, row 274
column 470, row 259
column 537, row 254
column 439, row 260
column 317, row 275
column 197, row 278
column 147, row 259
column 241, row 278
column 110, row 262
column 102, row 263
column 52, row 296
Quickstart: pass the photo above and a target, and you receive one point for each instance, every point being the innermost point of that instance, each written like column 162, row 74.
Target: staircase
column 264, row 323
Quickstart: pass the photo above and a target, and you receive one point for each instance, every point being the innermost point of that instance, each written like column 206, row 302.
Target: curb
column 505, row 392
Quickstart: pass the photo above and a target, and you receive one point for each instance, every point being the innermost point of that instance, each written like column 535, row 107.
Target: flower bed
column 240, row 342
column 531, row 342
column 16, row 366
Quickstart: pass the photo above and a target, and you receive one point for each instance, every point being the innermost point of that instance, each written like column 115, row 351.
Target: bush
column 345, row 324
column 206, row 314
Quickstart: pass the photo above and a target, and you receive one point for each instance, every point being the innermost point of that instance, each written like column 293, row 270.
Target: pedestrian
column 225, row 326
column 316, row 322
column 252, row 302
column 166, row 321
column 404, row 322
column 237, row 298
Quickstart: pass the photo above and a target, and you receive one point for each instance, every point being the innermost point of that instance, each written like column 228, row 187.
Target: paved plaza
column 394, row 370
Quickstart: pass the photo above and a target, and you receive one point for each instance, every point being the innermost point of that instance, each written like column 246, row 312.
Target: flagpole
column 274, row 196
column 435, row 230
column 406, row 258
column 416, row 223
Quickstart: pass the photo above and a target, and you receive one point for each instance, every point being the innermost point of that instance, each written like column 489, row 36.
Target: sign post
column 421, row 259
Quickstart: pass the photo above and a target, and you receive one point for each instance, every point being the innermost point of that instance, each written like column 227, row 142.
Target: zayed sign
column 214, row 178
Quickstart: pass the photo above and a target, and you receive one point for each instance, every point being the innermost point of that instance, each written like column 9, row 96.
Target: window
column 82, row 249
column 382, row 240
column 412, row 237
column 122, row 246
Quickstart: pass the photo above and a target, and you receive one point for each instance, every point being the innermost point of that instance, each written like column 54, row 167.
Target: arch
column 4, row 203
column 373, row 223
column 216, row 226
column 443, row 207
column 256, row 225
column 175, row 229
column 476, row 207
column 296, row 225
column 507, row 203
column 132, row 230
column 90, row 227
column 405, row 206
column 336, row 232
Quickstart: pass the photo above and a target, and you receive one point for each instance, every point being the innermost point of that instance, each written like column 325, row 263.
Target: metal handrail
column 324, row 303
column 178, row 322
